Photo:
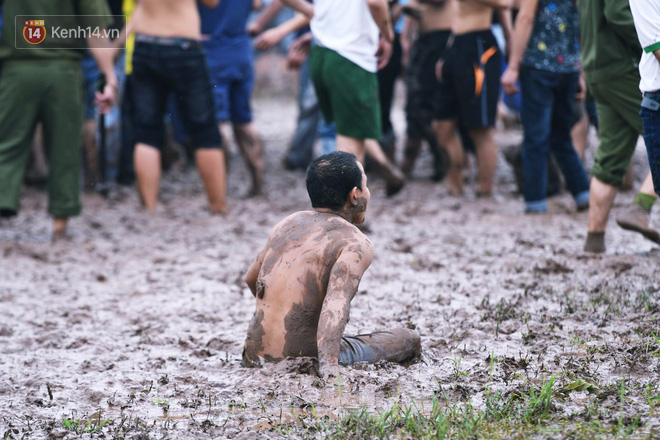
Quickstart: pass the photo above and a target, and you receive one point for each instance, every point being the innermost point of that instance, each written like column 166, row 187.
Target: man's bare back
column 309, row 271
column 169, row 18
column 295, row 267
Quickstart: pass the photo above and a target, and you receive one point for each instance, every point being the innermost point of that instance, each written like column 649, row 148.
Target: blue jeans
column 651, row 123
column 547, row 118
column 310, row 124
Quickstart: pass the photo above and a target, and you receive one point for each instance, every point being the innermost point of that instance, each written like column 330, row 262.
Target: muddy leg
column 447, row 138
column 393, row 176
column 410, row 153
column 397, row 345
column 147, row 171
column 251, row 147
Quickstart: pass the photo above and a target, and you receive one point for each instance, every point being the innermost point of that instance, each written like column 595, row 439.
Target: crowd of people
column 190, row 65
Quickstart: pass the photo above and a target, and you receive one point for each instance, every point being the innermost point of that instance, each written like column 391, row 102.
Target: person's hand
column 268, row 39
column 104, row 101
column 298, row 51
column 383, row 53
column 582, row 89
column 253, row 29
column 509, row 79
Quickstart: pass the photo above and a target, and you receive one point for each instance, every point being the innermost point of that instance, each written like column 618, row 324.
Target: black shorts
column 470, row 85
column 421, row 84
column 164, row 66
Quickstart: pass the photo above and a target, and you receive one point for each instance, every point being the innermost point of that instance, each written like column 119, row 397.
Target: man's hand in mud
column 383, row 53
column 268, row 39
column 509, row 79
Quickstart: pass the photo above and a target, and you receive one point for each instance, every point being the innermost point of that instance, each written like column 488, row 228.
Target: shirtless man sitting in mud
column 308, row 272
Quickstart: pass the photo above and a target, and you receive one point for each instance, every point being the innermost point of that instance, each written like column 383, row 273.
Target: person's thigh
column 190, row 80
column 537, row 93
column 650, row 114
column 618, row 137
column 148, row 95
column 221, row 86
column 563, row 110
column 240, row 95
column 317, row 63
column 62, row 117
column 21, row 88
column 477, row 75
column 354, row 98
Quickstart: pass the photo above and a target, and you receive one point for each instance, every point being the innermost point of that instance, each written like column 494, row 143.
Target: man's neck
column 344, row 213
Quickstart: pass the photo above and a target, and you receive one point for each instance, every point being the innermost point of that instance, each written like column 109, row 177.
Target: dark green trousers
column 49, row 92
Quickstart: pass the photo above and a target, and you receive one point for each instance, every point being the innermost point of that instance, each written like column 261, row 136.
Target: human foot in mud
column 307, row 274
column 595, row 242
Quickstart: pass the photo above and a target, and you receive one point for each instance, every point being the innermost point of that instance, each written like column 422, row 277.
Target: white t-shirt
column 346, row 26
column 646, row 14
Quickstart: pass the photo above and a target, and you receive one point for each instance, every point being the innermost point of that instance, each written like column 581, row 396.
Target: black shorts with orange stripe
column 470, row 85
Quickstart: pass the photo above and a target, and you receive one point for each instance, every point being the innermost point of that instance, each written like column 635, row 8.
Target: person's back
column 472, row 15
column 292, row 282
column 309, row 271
column 435, row 16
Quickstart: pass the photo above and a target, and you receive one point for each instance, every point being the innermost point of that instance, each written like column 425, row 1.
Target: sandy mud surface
column 137, row 323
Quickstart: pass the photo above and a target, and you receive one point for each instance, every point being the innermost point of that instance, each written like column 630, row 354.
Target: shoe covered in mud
column 637, row 219
column 595, row 242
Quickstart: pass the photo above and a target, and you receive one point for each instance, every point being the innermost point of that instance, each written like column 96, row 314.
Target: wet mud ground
column 137, row 323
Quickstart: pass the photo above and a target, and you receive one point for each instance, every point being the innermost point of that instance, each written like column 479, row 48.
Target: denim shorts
column 172, row 66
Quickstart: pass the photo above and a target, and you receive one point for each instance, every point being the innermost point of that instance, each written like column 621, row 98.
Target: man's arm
column 268, row 14
column 273, row 36
column 210, row 3
column 301, row 6
column 257, row 4
column 253, row 272
column 380, row 11
column 103, row 53
column 342, row 286
column 521, row 33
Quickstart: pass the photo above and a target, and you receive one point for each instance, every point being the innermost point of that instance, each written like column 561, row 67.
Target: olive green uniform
column 610, row 54
column 43, row 83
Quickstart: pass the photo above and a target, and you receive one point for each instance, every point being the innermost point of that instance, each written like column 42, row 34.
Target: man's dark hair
column 330, row 179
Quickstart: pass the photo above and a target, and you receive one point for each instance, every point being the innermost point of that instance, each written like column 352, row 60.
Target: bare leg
column 396, row 345
column 410, row 153
column 486, row 158
column 91, row 154
column 647, row 186
column 211, row 165
column 393, row 176
column 579, row 135
column 251, row 147
column 59, row 227
column 601, row 198
column 447, row 138
column 351, row 145
column 147, row 171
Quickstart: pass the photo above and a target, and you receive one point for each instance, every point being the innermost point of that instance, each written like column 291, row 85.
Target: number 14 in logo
column 34, row 31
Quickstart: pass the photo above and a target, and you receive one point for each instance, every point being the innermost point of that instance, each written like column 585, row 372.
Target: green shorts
column 347, row 94
column 50, row 92
column 619, row 127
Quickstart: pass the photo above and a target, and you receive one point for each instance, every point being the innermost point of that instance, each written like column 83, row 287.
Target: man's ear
column 352, row 196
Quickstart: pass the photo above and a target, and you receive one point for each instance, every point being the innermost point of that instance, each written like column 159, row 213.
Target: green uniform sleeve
column 620, row 20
